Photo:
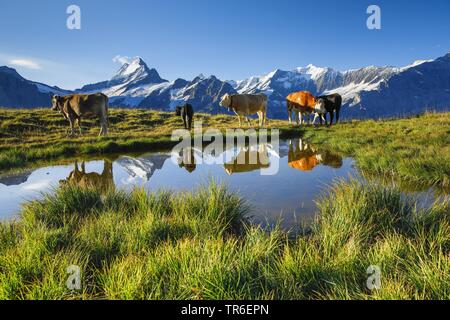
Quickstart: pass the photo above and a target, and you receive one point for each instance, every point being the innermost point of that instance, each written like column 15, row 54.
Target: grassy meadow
column 200, row 246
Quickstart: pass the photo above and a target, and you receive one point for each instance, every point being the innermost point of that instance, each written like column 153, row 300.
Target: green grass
column 200, row 246
column 414, row 151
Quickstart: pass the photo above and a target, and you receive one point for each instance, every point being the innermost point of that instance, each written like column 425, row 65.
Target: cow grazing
column 332, row 103
column 301, row 103
column 77, row 106
column 245, row 105
column 186, row 113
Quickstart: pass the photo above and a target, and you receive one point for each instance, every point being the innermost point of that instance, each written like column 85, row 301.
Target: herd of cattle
column 302, row 104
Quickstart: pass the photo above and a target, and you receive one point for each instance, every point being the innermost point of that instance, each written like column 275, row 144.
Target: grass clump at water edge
column 200, row 246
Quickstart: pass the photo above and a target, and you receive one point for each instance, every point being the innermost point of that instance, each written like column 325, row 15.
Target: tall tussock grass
column 200, row 245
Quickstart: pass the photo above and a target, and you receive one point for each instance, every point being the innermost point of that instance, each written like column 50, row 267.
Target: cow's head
column 226, row 101
column 178, row 111
column 319, row 107
column 56, row 101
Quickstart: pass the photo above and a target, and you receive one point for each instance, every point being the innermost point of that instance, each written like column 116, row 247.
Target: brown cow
column 76, row 106
column 303, row 102
column 245, row 105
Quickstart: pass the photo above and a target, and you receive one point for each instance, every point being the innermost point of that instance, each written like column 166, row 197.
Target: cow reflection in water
column 305, row 157
column 186, row 159
column 249, row 158
column 79, row 177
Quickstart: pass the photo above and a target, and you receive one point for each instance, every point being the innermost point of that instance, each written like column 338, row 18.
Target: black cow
column 333, row 103
column 186, row 113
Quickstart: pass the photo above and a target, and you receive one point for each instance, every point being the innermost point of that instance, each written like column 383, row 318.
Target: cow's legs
column 185, row 122
column 72, row 125
column 289, row 110
column 315, row 118
column 105, row 124
column 332, row 118
column 79, row 125
column 104, row 127
column 325, row 119
column 263, row 118
column 189, row 120
column 317, row 115
column 338, row 111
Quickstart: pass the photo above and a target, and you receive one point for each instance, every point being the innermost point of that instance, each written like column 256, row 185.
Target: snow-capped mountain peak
column 367, row 92
column 131, row 84
column 136, row 70
column 312, row 72
column 414, row 64
column 132, row 67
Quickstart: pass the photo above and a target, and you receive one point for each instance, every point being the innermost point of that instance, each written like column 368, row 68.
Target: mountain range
column 370, row 92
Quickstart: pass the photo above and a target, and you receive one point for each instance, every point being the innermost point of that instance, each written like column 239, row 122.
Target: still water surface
column 279, row 184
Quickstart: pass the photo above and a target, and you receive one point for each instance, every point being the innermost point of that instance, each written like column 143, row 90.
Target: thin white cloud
column 26, row 63
column 121, row 59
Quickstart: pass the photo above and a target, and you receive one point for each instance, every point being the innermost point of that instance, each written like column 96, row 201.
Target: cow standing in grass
column 331, row 103
column 186, row 113
column 77, row 106
column 304, row 103
column 245, row 105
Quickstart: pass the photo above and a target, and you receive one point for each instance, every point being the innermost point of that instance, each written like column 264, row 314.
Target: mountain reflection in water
column 278, row 183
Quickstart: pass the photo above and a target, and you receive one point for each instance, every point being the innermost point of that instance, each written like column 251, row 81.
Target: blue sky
column 232, row 39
